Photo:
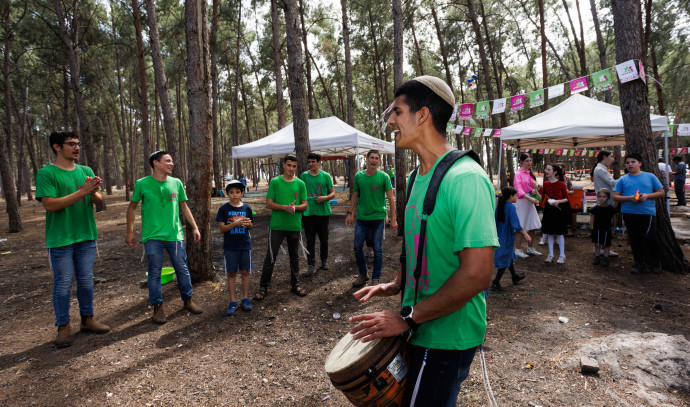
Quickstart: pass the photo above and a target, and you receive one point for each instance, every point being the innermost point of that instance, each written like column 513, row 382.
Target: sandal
column 299, row 291
column 261, row 294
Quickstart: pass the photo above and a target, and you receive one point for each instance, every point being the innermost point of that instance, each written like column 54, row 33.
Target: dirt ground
column 274, row 355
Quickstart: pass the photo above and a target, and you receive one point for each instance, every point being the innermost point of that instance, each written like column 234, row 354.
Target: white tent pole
column 666, row 195
column 498, row 173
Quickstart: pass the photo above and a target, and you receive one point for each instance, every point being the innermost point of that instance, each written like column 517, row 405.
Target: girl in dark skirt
column 603, row 225
column 556, row 210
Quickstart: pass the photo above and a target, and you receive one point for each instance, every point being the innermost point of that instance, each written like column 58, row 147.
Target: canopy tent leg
column 667, row 196
column 498, row 173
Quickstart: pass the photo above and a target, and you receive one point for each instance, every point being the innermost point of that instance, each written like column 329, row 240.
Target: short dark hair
column 156, row 156
column 677, row 158
column 290, row 157
column 635, row 156
column 661, row 160
column 417, row 96
column 59, row 138
column 373, row 151
column 314, row 156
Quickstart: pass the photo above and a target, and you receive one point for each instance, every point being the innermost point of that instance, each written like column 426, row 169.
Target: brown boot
column 88, row 324
column 190, row 306
column 64, row 336
column 360, row 280
column 159, row 314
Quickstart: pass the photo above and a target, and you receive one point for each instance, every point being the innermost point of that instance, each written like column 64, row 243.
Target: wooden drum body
column 371, row 374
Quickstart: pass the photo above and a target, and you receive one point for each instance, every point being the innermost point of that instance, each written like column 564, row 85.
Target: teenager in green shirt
column 68, row 191
column 315, row 219
column 369, row 202
column 448, row 321
column 287, row 199
column 163, row 197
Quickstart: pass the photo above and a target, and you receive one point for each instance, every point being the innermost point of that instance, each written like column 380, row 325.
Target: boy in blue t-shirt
column 234, row 221
column 638, row 191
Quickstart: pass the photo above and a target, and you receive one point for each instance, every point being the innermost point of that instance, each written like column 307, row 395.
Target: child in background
column 507, row 224
column 603, row 224
column 234, row 221
column 556, row 210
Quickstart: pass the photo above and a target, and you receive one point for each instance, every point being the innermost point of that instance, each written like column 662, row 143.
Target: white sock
column 550, row 240
column 561, row 244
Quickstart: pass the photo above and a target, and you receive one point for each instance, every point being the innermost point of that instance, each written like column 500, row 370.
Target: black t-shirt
column 237, row 238
column 603, row 215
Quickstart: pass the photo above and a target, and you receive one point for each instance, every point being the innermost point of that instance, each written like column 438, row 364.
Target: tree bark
column 638, row 131
column 199, row 106
column 277, row 59
column 143, row 88
column 307, row 65
column 323, row 83
column 348, row 82
column 259, row 88
column 120, row 121
column 400, row 156
column 439, row 35
column 298, row 102
column 544, row 69
column 217, row 176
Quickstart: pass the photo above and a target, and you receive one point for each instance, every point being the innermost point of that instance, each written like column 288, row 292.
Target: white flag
column 684, row 129
column 499, row 106
column 487, row 132
column 627, row 71
column 458, row 129
column 556, row 90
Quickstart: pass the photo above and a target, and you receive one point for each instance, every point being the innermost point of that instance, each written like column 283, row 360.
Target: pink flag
column 578, row 85
column 673, row 151
column 466, row 131
column 466, row 110
column 497, row 133
column 642, row 75
column 517, row 103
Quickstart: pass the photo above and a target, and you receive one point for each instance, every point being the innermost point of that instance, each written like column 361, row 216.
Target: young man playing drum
column 445, row 307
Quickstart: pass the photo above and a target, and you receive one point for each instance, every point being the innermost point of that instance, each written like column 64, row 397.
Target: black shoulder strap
column 428, row 208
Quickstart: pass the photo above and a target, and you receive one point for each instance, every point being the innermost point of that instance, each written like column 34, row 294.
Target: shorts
column 602, row 237
column 237, row 260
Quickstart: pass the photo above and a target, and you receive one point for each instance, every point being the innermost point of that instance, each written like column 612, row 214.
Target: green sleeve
column 472, row 212
column 181, row 193
column 329, row 182
column 45, row 185
column 136, row 194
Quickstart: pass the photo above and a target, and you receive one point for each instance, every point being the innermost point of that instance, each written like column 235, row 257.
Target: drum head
column 347, row 352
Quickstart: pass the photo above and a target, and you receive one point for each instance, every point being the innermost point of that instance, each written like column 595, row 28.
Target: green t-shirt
column 75, row 223
column 283, row 193
column 463, row 217
column 317, row 185
column 372, row 195
column 391, row 173
column 160, row 208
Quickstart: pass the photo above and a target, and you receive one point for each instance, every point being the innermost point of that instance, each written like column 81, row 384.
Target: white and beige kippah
column 438, row 86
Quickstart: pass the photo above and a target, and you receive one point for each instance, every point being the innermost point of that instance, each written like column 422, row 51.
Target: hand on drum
column 378, row 325
column 379, row 290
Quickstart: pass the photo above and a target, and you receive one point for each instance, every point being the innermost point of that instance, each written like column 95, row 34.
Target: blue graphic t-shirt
column 237, row 238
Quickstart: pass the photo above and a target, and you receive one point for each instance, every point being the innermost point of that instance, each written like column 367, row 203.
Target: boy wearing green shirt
column 287, row 199
column 163, row 198
column 445, row 308
column 68, row 191
column 315, row 219
column 369, row 202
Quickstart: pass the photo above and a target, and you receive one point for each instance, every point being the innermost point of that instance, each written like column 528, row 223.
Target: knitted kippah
column 439, row 87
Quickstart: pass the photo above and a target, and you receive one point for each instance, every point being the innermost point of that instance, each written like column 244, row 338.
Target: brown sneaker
column 190, row 306
column 88, row 324
column 360, row 280
column 64, row 336
column 159, row 314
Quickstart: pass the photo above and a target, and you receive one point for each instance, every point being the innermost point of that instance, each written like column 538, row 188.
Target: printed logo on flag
column 673, row 151
column 487, row 132
column 499, row 106
column 559, row 151
column 684, row 150
column 497, row 133
column 466, row 111
column 477, row 132
column 627, row 71
column 517, row 103
column 536, row 98
column 450, row 127
column 466, row 131
column 458, row 129
column 602, row 81
column 556, row 90
column 482, row 110
column 578, row 85
column 684, row 129
column 578, row 153
column 541, row 151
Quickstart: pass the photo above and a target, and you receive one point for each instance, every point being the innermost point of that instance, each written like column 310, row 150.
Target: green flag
column 536, row 98
column 602, row 81
column 450, row 127
column 482, row 110
column 477, row 132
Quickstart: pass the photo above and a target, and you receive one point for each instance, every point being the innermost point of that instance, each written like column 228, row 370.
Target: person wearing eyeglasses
column 68, row 192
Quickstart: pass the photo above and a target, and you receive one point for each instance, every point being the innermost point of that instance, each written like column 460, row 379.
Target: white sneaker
column 521, row 254
column 530, row 250
column 542, row 242
column 611, row 253
column 549, row 259
column 561, row 260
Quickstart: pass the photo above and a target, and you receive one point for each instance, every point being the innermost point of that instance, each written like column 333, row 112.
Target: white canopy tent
column 329, row 136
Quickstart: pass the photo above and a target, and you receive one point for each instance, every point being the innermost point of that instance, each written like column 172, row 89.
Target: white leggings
column 561, row 244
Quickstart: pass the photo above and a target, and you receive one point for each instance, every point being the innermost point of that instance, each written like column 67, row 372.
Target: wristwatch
column 406, row 314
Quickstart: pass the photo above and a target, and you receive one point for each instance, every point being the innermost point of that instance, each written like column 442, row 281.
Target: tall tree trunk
column 277, row 59
column 298, row 102
column 259, row 88
column 8, row 93
column 348, row 83
column 544, row 69
column 217, row 176
column 23, row 183
column 416, row 46
column 657, row 85
column 162, row 86
column 400, row 156
column 143, row 89
column 199, row 106
column 12, row 208
column 325, row 87
column 120, row 122
column 600, row 45
column 307, row 65
column 444, row 56
column 638, row 130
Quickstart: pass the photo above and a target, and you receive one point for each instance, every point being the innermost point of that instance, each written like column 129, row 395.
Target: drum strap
column 428, row 207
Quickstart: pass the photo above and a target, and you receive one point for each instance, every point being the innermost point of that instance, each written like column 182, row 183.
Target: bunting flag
column 483, row 110
column 578, row 85
column 458, row 129
column 450, row 127
column 454, row 115
column 684, row 150
column 578, row 153
column 477, row 132
column 556, row 90
column 684, row 129
column 536, row 98
column 559, row 151
column 602, row 81
column 466, row 110
column 627, row 71
column 499, row 106
column 642, row 74
column 672, row 151
column 466, row 131
column 487, row 132
column 517, row 102
column 591, row 153
column 541, row 151
column 497, row 133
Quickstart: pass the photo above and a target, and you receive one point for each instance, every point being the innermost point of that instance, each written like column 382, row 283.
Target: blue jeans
column 440, row 379
column 361, row 229
column 68, row 261
column 178, row 257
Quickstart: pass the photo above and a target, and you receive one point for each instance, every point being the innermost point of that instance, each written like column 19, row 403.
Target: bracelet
column 348, row 213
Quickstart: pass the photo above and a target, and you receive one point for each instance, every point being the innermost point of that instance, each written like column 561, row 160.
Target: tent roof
column 328, row 136
column 578, row 121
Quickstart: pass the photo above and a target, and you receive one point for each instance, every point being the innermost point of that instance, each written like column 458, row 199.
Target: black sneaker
column 604, row 262
column 310, row 271
column 496, row 287
column 636, row 269
column 518, row 277
column 597, row 261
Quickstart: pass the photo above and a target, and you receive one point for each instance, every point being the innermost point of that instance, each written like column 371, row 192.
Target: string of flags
column 600, row 81
column 585, row 153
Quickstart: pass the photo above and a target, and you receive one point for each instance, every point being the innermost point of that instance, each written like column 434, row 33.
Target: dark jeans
column 643, row 238
column 316, row 225
column 679, row 187
column 437, row 383
column 362, row 227
column 275, row 240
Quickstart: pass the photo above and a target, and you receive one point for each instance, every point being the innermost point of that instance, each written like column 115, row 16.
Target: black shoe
column 636, row 269
column 597, row 261
column 518, row 277
column 656, row 269
column 496, row 287
column 604, row 262
column 310, row 271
